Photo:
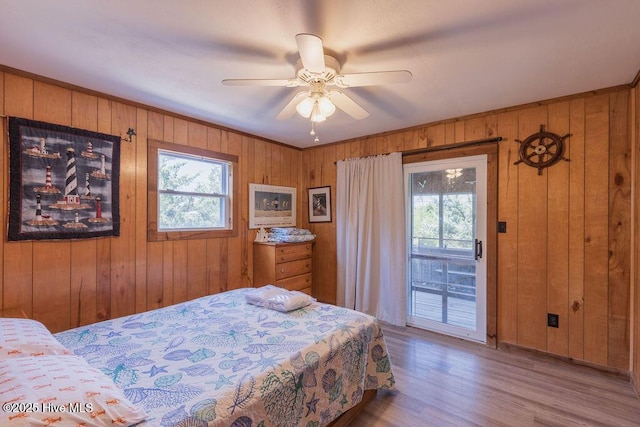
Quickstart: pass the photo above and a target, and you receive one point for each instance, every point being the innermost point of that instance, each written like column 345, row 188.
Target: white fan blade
column 311, row 52
column 374, row 78
column 347, row 105
column 261, row 82
column 290, row 109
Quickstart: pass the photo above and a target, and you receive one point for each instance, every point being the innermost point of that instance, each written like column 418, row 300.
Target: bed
column 219, row 361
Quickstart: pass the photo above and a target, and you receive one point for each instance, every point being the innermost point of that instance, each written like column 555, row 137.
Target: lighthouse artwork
column 63, row 182
column 71, row 200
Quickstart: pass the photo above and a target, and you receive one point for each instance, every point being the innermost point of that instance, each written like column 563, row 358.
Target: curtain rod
column 445, row 147
column 452, row 146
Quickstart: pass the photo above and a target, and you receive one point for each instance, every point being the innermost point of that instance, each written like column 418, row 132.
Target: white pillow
column 280, row 299
column 27, row 337
column 61, row 391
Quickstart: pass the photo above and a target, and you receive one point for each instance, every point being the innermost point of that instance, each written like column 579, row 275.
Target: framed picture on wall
column 271, row 206
column 320, row 204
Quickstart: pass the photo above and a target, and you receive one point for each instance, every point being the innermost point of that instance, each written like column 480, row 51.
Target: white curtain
column 370, row 237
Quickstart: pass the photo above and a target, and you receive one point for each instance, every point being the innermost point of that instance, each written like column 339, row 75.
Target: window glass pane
column 457, row 220
column 426, row 219
column 190, row 174
column 190, row 212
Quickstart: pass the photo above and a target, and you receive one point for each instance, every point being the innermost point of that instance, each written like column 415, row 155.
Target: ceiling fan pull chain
column 313, row 132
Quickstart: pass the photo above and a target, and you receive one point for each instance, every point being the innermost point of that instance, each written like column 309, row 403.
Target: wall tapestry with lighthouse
column 64, row 182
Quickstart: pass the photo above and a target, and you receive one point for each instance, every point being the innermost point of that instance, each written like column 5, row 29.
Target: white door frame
column 479, row 162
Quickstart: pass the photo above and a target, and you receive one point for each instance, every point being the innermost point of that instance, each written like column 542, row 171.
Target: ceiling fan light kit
column 316, row 105
column 325, row 106
column 316, row 115
column 319, row 72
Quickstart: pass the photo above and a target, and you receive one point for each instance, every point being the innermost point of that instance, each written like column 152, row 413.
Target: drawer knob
column 282, row 270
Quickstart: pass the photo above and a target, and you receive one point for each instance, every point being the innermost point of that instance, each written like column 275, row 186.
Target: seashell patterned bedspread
column 218, row 361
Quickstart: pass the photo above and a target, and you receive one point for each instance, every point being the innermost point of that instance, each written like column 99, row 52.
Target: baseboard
column 578, row 362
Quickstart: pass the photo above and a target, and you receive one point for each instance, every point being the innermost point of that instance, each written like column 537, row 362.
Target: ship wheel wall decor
column 542, row 149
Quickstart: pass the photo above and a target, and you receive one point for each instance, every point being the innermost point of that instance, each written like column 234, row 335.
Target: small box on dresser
column 288, row 265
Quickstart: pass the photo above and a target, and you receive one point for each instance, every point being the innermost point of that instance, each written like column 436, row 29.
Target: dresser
column 288, row 265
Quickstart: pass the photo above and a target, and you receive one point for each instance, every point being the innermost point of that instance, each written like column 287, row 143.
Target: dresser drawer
column 288, row 265
column 296, row 283
column 292, row 253
column 293, row 268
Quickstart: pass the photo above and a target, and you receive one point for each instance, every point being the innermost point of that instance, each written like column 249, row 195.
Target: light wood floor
column 444, row 381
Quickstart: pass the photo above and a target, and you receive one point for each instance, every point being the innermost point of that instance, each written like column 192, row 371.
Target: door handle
column 478, row 250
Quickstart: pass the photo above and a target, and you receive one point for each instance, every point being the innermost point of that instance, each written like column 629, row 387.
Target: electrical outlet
column 552, row 320
column 502, row 226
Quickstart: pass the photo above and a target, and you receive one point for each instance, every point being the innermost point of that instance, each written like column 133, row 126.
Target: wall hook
column 131, row 133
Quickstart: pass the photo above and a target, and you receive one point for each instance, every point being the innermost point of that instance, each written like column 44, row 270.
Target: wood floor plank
column 444, row 381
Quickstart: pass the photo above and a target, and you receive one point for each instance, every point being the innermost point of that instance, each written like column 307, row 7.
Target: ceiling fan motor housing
column 330, row 71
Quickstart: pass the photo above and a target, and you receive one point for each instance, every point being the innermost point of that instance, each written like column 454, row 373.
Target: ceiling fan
column 321, row 74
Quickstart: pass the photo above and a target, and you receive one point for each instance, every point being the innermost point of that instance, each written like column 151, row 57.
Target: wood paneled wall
column 567, row 249
column 69, row 283
column 635, row 258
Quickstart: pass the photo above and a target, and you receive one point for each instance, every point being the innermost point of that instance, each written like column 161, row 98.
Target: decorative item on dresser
column 288, row 265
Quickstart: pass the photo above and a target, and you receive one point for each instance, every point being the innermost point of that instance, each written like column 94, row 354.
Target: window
column 191, row 193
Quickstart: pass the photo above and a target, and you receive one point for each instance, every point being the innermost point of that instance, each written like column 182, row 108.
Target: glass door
column 446, row 226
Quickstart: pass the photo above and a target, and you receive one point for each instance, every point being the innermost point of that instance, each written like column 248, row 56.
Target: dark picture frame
column 320, row 204
column 64, row 182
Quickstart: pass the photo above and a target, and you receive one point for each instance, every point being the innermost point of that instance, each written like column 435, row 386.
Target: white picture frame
column 271, row 206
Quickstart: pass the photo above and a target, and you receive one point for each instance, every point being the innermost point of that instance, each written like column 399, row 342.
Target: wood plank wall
column 567, row 249
column 635, row 258
column 69, row 283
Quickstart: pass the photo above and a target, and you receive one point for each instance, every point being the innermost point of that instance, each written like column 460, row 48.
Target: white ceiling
column 466, row 56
